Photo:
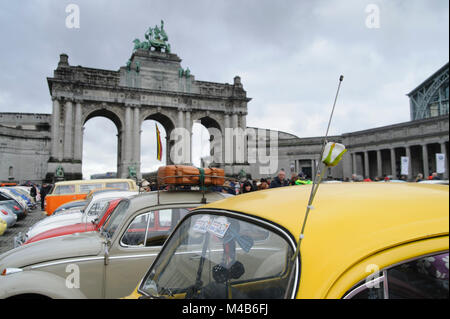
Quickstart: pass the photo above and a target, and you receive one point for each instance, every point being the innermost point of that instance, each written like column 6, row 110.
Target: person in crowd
column 45, row 189
column 145, row 186
column 263, row 184
column 303, row 181
column 255, row 185
column 247, row 187
column 229, row 188
column 33, row 192
column 279, row 180
column 435, row 176
column 294, row 178
column 419, row 177
column 301, row 175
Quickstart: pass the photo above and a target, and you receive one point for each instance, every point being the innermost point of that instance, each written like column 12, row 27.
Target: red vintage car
column 79, row 227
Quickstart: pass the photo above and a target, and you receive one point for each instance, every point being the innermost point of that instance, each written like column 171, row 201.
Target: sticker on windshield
column 219, row 227
column 201, row 225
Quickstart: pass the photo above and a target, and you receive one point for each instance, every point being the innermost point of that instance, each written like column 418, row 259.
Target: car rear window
column 86, row 188
column 64, row 189
column 120, row 185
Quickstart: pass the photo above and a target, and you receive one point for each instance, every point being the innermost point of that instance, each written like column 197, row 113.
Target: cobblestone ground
column 7, row 240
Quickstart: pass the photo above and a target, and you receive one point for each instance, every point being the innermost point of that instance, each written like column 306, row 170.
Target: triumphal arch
column 152, row 85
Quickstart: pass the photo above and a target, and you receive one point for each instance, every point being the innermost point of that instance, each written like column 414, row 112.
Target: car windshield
column 106, row 207
column 98, row 207
column 115, row 218
column 212, row 256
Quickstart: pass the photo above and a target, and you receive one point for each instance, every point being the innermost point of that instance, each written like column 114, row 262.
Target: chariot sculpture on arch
column 156, row 38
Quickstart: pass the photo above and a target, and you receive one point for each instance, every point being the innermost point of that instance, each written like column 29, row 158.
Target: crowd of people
column 244, row 185
column 38, row 192
column 251, row 185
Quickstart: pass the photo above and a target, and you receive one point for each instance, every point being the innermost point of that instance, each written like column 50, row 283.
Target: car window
column 98, row 207
column 208, row 256
column 115, row 218
column 422, row 278
column 64, row 189
column 123, row 186
column 86, row 188
column 135, row 234
column 152, row 228
column 4, row 197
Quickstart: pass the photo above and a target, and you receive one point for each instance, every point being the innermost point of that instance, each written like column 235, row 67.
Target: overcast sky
column 289, row 55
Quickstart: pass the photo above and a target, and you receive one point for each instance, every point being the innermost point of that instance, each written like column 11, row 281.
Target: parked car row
column 122, row 229
column 15, row 204
column 362, row 240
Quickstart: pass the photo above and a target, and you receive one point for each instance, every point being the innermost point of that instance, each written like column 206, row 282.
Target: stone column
column 379, row 164
column 120, row 150
column 408, row 154
column 127, row 142
column 244, row 127
column 366, row 165
column 180, row 129
column 354, row 164
column 137, row 141
column 238, row 138
column 78, row 133
column 188, row 145
column 226, row 127
column 444, row 151
column 68, row 131
column 313, row 169
column 227, row 121
column 180, row 123
column 393, row 164
column 234, row 120
column 426, row 168
column 56, row 114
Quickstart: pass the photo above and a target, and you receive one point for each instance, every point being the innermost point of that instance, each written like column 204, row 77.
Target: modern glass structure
column 430, row 98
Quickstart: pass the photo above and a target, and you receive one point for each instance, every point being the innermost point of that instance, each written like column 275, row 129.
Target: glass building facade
column 430, row 98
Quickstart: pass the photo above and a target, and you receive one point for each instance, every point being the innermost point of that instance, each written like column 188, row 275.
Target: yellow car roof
column 350, row 221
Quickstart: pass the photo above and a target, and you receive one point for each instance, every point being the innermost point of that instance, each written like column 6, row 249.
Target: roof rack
column 180, row 187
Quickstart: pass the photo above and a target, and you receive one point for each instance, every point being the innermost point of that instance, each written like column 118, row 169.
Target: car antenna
column 335, row 152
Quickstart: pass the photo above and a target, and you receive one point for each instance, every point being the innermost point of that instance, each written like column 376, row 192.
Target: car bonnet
column 52, row 249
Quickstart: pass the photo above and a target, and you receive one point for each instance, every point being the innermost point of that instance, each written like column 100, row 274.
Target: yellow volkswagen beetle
column 3, row 226
column 361, row 240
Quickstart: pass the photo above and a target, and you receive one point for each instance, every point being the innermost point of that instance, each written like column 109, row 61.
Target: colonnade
column 372, row 163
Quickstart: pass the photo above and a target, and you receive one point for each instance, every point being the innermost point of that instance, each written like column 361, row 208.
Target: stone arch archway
column 168, row 123
column 108, row 114
column 216, row 138
column 150, row 86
